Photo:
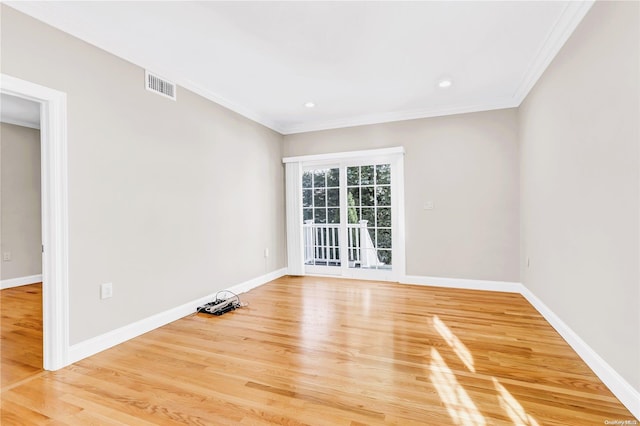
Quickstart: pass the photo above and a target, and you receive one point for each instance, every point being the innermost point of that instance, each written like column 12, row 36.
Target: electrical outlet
column 428, row 205
column 528, row 262
column 106, row 290
column 6, row 256
column 266, row 252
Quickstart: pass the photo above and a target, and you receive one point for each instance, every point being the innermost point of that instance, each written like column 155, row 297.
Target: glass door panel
column 369, row 228
column 348, row 220
column 321, row 220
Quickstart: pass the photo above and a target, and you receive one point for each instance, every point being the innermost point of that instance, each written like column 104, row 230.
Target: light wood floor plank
column 20, row 333
column 320, row 351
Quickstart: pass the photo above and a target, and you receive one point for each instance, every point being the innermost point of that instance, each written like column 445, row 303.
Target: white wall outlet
column 6, row 256
column 428, row 205
column 266, row 252
column 528, row 262
column 106, row 290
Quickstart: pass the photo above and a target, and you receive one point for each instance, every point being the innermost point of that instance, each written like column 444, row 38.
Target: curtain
column 295, row 242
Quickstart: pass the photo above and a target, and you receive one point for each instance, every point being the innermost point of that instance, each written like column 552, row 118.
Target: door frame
column 295, row 166
column 55, row 218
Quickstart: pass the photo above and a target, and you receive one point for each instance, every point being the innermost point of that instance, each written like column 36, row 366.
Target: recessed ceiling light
column 309, row 104
column 444, row 83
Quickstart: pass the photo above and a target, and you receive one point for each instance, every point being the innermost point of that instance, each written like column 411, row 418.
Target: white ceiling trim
column 562, row 30
column 397, row 116
column 220, row 100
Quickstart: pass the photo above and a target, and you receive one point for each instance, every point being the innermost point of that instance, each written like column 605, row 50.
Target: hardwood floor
column 324, row 351
column 20, row 333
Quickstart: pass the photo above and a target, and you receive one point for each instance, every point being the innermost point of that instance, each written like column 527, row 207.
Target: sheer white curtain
column 295, row 243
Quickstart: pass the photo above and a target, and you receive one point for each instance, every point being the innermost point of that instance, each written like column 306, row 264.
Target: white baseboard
column 506, row 286
column 105, row 341
column 626, row 393
column 15, row 282
column 257, row 282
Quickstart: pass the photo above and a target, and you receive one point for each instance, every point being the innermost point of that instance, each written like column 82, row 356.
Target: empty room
column 320, row 213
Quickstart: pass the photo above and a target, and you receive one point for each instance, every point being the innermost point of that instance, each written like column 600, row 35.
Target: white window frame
column 295, row 247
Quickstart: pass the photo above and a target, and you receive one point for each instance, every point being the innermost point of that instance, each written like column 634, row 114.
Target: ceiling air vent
column 160, row 86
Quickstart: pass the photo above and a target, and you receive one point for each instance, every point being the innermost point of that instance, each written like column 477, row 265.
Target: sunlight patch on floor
column 512, row 407
column 457, row 401
column 452, row 340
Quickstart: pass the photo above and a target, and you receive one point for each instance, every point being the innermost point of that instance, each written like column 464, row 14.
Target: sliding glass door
column 345, row 214
column 348, row 211
column 368, row 203
column 321, row 220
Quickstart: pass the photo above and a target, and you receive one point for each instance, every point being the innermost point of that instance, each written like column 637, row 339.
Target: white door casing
column 55, row 227
column 295, row 246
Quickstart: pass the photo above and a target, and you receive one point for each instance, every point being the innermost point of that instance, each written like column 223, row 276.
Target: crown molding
column 230, row 105
column 557, row 37
column 389, row 117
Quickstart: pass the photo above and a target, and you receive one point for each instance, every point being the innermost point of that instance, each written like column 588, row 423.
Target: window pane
column 353, row 177
column 383, row 174
column 367, row 196
column 334, row 215
column 333, row 197
column 372, row 234
column 384, row 256
column 307, row 179
column 333, row 178
column 319, row 178
column 336, row 253
column 320, row 198
column 384, row 238
column 353, row 214
column 353, row 196
column 320, row 215
column 384, row 217
column 307, row 197
column 366, row 175
column 383, row 195
column 369, row 214
column 307, row 214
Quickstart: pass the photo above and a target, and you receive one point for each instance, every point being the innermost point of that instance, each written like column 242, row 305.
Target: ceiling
column 358, row 62
column 19, row 111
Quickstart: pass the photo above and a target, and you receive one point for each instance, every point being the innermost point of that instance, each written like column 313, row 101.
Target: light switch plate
column 428, row 205
column 106, row 290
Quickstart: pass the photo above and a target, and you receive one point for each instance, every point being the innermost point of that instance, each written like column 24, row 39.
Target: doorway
column 351, row 214
column 21, row 240
column 55, row 252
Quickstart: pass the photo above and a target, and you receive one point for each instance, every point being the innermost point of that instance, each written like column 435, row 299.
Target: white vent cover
column 160, row 86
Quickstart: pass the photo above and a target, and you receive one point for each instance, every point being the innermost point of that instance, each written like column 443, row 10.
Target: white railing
column 322, row 245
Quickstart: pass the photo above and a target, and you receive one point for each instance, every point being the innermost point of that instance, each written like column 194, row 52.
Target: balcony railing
column 322, row 245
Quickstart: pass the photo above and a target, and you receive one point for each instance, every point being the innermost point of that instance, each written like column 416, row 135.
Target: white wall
column 468, row 166
column 169, row 201
column 20, row 230
column 579, row 133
